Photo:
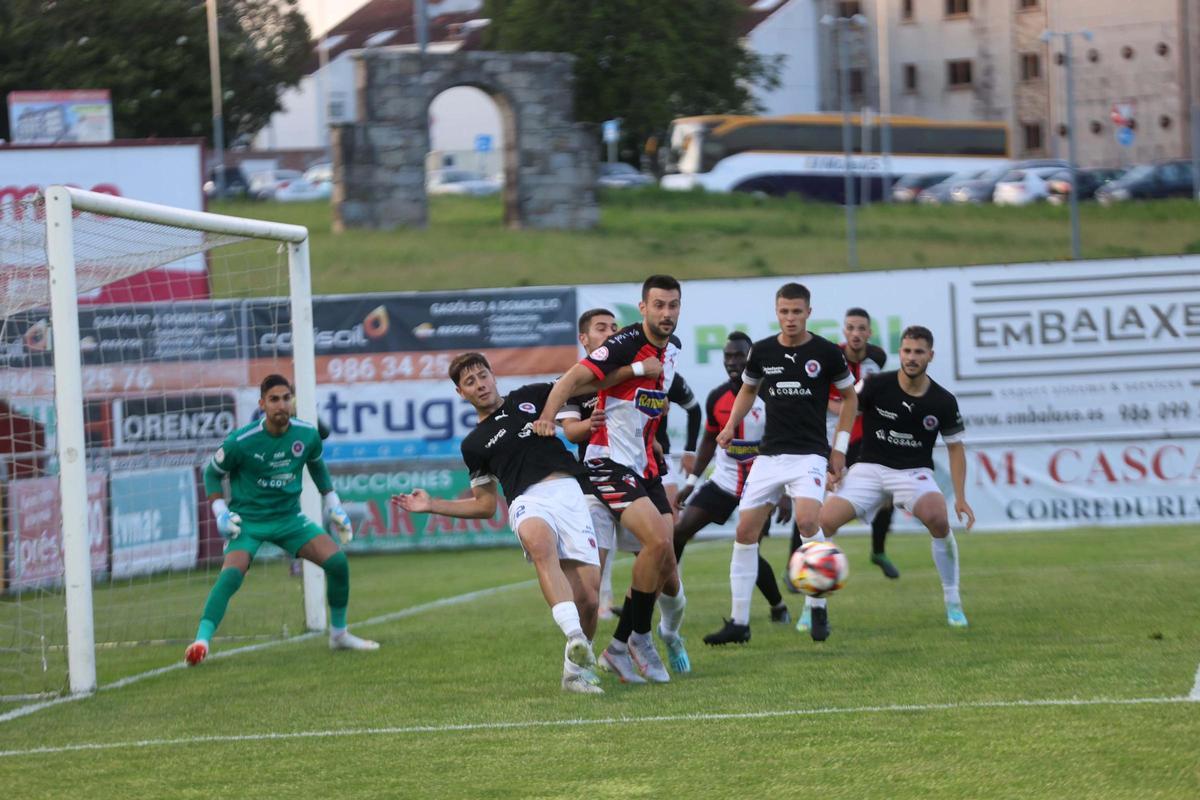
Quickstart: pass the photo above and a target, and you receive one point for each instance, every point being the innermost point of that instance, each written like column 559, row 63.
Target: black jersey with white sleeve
column 900, row 429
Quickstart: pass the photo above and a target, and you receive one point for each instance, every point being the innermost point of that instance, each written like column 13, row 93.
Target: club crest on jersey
column 651, row 402
column 812, row 367
column 743, row 449
column 220, row 456
column 930, row 422
column 297, row 449
column 599, row 354
column 629, row 479
column 528, row 408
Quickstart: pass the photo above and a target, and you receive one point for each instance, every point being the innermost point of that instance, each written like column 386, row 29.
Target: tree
column 153, row 56
column 643, row 61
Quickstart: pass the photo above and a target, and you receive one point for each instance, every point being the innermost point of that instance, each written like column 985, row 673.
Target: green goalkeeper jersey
column 265, row 471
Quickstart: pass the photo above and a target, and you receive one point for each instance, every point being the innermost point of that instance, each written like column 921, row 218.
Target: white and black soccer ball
column 818, row 569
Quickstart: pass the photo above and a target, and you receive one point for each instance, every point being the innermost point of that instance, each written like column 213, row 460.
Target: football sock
column 672, row 612
column 606, row 595
column 337, row 588
column 625, row 623
column 879, row 528
column 228, row 582
column 743, row 569
column 945, row 557
column 767, row 583
column 567, row 617
column 643, row 610
column 797, row 540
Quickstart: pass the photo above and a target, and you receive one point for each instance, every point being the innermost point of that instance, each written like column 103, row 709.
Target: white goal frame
column 61, row 202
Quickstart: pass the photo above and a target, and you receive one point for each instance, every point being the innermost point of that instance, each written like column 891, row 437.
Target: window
column 848, row 8
column 958, row 73
column 1033, row 135
column 1025, row 5
column 856, row 82
column 1031, row 66
column 910, row 77
column 337, row 107
column 906, row 10
column 958, row 8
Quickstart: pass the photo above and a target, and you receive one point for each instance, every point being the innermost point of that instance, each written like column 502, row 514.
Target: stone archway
column 550, row 161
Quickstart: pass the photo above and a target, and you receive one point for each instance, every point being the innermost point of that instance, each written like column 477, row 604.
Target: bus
column 803, row 154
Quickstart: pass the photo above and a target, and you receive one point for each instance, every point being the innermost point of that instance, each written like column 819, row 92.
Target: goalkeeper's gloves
column 229, row 523
column 338, row 518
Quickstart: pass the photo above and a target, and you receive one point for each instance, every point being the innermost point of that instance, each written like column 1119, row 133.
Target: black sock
column 680, row 543
column 625, row 623
column 766, row 583
column 796, row 541
column 879, row 529
column 642, row 607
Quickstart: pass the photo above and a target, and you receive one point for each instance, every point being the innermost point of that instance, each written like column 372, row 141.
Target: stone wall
column 550, row 160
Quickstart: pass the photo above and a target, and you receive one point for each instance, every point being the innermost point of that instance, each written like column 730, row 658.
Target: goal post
column 62, row 206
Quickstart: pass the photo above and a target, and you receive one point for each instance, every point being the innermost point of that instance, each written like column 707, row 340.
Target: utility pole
column 214, row 70
column 841, row 27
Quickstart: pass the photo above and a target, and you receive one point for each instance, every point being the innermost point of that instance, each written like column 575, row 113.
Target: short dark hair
column 858, row 312
column 918, row 332
column 665, row 282
column 794, row 291
column 585, row 319
column 271, row 381
column 463, row 361
column 741, row 336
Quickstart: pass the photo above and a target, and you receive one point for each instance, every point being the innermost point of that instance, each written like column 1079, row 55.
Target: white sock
column 743, row 571
column 672, row 613
column 567, row 617
column 814, row 602
column 606, row 596
column 336, row 632
column 945, row 558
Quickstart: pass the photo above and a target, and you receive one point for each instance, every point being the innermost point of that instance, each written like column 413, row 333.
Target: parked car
column 302, row 189
column 461, row 181
column 940, row 193
column 1149, row 181
column 1090, row 180
column 235, row 183
column 263, row 185
column 1020, row 187
column 619, row 175
column 983, row 188
column 909, row 188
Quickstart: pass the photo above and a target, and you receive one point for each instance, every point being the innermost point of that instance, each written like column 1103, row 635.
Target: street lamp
column 1048, row 36
column 841, row 25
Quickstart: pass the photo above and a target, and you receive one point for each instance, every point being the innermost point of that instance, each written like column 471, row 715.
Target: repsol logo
column 651, row 402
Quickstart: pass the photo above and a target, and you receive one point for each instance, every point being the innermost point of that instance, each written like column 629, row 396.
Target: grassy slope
column 1083, row 614
column 699, row 236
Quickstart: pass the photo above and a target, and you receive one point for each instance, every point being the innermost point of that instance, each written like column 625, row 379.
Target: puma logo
column 907, row 405
column 259, row 456
column 790, row 357
column 501, row 415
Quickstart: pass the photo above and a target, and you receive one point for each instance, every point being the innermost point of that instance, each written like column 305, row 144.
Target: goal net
column 119, row 381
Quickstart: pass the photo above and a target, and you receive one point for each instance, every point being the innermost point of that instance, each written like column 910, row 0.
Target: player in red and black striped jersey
column 625, row 473
column 719, row 496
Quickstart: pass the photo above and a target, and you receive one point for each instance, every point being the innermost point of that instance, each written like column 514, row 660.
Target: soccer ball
column 818, row 569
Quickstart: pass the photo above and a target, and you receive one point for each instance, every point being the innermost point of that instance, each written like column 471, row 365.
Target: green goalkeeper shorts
column 287, row 533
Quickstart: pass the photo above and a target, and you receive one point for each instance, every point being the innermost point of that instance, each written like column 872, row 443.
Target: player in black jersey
column 680, row 394
column 903, row 413
column 793, row 373
column 546, row 509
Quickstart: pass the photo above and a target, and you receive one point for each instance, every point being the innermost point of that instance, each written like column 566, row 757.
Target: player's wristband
column 692, row 479
column 219, row 507
column 841, row 441
column 639, row 368
column 332, row 500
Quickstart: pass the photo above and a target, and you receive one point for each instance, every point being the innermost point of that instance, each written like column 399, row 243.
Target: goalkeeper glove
column 338, row 518
column 229, row 523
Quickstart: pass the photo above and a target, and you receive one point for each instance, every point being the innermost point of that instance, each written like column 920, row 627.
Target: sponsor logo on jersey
column 790, row 389
column 883, row 412
column 297, row 449
column 528, row 408
column 259, row 456
column 651, row 402
column 772, row 370
column 910, row 406
column 790, row 357
column 499, row 435
column 518, row 510
column 599, row 354
column 743, row 449
column 930, row 422
column 812, row 367
column 897, row 438
column 526, row 432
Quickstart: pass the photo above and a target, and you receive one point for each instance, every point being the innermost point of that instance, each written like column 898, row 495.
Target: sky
column 324, row 14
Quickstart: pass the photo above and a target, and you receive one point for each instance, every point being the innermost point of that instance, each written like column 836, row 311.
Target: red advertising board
column 33, row 542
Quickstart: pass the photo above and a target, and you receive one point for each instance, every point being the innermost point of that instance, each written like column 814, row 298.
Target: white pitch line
column 383, row 618
column 1195, row 695
column 578, row 722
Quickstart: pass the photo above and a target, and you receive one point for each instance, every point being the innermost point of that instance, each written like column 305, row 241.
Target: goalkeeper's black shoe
column 731, row 633
column 819, row 630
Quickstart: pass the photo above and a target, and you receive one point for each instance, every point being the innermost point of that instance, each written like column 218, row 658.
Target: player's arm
column 481, row 505
column 681, row 394
column 337, row 515
column 224, row 462
column 741, row 407
column 954, row 435
column 575, row 428
column 574, row 381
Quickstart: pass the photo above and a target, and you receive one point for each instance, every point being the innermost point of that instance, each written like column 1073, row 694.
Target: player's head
column 596, row 325
column 856, row 327
column 275, row 399
column 660, row 305
column 473, row 379
column 792, row 308
column 916, row 350
column 737, row 351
